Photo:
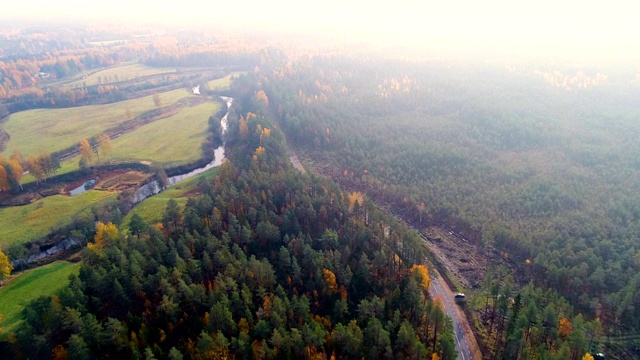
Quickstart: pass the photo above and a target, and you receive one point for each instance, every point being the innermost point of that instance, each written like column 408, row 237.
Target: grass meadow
column 223, row 83
column 20, row 224
column 29, row 285
column 122, row 73
column 173, row 140
column 50, row 130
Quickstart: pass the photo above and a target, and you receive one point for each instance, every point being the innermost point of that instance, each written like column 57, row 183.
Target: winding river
column 142, row 193
column 154, row 187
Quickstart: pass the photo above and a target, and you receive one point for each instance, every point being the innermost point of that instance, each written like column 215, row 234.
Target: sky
column 603, row 28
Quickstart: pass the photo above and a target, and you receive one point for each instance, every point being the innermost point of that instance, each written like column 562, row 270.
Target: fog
column 573, row 29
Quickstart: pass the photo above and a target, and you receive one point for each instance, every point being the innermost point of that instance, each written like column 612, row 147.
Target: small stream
column 153, row 187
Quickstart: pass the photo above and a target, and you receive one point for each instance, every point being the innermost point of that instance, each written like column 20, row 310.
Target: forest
column 538, row 163
column 264, row 262
column 535, row 164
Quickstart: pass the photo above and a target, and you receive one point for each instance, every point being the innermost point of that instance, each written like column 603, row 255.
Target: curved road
column 439, row 289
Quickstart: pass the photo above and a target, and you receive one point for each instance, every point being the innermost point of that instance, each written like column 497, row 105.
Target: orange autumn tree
column 587, row 356
column 35, row 168
column 262, row 96
column 86, row 151
column 4, row 179
column 565, row 328
column 16, row 171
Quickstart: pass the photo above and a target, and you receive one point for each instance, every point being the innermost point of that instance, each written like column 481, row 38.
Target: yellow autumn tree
column 355, row 196
column 424, row 275
column 330, row 283
column 105, row 234
column 244, row 129
column 5, row 266
column 435, row 356
column 104, row 146
column 86, row 151
column 587, row 356
column 565, row 327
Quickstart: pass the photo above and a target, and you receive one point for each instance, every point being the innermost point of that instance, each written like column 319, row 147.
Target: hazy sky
column 606, row 28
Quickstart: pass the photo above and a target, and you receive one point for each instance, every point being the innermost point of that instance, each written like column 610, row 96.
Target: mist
column 573, row 30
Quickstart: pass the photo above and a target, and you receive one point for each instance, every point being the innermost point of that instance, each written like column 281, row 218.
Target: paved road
column 439, row 289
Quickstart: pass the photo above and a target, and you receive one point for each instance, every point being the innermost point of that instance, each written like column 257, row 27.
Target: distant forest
column 537, row 162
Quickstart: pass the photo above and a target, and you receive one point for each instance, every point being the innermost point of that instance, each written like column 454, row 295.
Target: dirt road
column 464, row 339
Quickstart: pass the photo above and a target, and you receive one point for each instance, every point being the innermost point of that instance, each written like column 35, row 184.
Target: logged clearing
column 20, row 224
column 29, row 285
column 123, row 73
column 50, row 130
column 173, row 140
column 152, row 208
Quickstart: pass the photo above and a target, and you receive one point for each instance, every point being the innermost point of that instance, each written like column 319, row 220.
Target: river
column 154, row 187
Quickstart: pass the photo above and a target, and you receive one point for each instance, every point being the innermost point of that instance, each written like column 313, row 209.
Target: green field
column 33, row 131
column 122, row 73
column 176, row 139
column 151, row 209
column 225, row 82
column 29, row 285
column 20, row 224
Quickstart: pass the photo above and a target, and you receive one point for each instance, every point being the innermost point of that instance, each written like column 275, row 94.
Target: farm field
column 50, row 130
column 152, row 209
column 122, row 73
column 20, row 224
column 29, row 285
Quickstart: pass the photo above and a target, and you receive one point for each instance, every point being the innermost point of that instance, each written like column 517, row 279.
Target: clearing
column 29, row 285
